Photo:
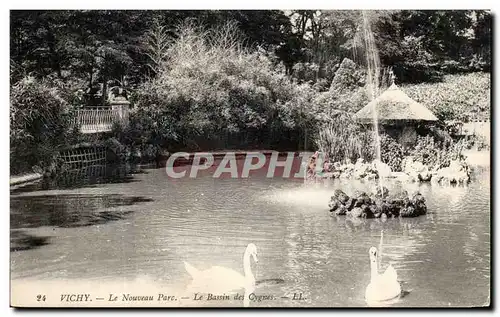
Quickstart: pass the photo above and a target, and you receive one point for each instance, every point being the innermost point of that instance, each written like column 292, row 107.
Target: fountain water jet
column 372, row 79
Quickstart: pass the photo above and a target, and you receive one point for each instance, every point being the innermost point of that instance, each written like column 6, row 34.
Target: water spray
column 372, row 82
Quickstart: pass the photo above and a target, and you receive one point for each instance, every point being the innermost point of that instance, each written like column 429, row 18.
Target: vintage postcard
column 250, row 158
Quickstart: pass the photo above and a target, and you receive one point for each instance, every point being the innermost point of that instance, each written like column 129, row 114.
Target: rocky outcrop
column 360, row 170
column 416, row 171
column 458, row 172
column 378, row 204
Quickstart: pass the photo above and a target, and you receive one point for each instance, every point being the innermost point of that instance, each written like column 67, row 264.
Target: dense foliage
column 436, row 154
column 458, row 97
column 210, row 87
column 343, row 140
column 420, row 45
column 108, row 45
column 40, row 123
column 236, row 79
column 392, row 152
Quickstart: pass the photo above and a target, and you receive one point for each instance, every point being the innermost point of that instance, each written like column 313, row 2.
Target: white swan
column 218, row 279
column 384, row 286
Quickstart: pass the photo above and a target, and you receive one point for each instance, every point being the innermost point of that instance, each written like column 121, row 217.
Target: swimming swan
column 384, row 286
column 221, row 279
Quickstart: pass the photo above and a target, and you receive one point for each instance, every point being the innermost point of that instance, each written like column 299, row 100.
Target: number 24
column 40, row 298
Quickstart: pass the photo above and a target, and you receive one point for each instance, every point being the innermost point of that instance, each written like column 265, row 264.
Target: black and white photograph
column 250, row 158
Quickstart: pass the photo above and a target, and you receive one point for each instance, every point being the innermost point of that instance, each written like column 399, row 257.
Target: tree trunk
column 104, row 90
column 305, row 139
column 91, row 74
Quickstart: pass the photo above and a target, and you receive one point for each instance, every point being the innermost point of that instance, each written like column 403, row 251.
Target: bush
column 117, row 150
column 342, row 139
column 348, row 77
column 40, row 124
column 305, row 72
column 210, row 87
column 458, row 97
column 436, row 154
column 347, row 91
column 391, row 152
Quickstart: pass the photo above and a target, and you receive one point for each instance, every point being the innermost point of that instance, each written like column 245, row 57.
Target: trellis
column 82, row 156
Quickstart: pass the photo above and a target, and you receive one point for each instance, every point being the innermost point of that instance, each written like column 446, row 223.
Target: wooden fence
column 82, row 156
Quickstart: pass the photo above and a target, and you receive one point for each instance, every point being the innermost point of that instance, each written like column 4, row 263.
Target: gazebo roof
column 393, row 106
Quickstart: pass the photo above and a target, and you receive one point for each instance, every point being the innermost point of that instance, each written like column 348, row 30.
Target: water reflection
column 442, row 259
column 89, row 176
column 69, row 210
column 21, row 241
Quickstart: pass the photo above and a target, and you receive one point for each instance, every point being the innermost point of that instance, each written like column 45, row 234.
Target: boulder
column 350, row 203
column 374, row 209
column 457, row 172
column 418, row 198
column 418, row 203
column 366, row 211
column 341, row 211
column 417, row 171
column 406, row 202
column 424, row 176
column 386, row 208
column 380, row 192
column 395, row 211
column 360, row 169
column 340, row 196
column 355, row 212
column 362, row 199
column 407, row 212
column 334, row 204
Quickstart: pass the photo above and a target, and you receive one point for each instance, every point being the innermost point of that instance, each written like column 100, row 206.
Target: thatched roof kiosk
column 393, row 107
column 397, row 114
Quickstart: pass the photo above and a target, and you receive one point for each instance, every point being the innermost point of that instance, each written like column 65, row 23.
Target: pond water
column 144, row 225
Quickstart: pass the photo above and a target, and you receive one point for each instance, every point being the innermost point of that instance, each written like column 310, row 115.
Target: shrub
column 348, row 77
column 305, row 72
column 342, row 139
column 347, row 92
column 391, row 152
column 458, row 97
column 436, row 154
column 209, row 87
column 40, row 124
column 117, row 149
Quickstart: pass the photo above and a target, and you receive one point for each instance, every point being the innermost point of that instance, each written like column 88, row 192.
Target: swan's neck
column 374, row 269
column 246, row 267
